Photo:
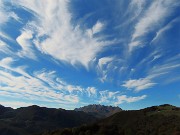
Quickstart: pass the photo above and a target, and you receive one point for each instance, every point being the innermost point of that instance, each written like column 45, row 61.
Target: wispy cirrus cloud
column 24, row 40
column 156, row 72
column 95, row 29
column 104, row 61
column 33, row 90
column 29, row 86
column 54, row 82
column 117, row 98
column 63, row 41
column 139, row 84
column 92, row 91
column 164, row 29
column 124, row 98
column 5, row 15
column 106, row 66
column 156, row 14
column 45, row 86
column 167, row 67
column 40, row 40
column 139, row 5
column 107, row 96
column 6, row 64
column 5, row 36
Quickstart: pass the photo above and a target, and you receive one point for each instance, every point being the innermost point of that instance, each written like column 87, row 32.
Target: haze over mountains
column 89, row 120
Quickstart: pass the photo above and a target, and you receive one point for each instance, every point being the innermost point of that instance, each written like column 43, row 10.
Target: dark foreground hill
column 35, row 119
column 99, row 111
column 156, row 120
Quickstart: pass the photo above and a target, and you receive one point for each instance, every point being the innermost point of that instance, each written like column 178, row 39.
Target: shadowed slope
column 35, row 119
column 156, row 120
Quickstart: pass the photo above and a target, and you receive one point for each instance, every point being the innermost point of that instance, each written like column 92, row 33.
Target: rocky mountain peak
column 99, row 110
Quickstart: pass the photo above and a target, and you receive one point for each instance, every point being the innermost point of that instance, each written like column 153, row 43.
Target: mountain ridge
column 99, row 111
column 34, row 119
column 155, row 120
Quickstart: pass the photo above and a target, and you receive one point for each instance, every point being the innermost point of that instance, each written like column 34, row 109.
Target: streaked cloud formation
column 60, row 35
column 62, row 54
column 155, row 15
column 124, row 98
column 138, row 85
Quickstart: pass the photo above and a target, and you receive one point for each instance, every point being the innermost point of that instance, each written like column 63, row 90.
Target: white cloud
column 5, row 15
column 6, row 61
column 154, row 15
column 156, row 57
column 139, row 84
column 172, row 79
column 160, row 32
column 103, row 61
column 97, row 27
column 32, row 89
column 107, row 66
column 64, row 41
column 44, row 86
column 55, row 82
column 27, row 87
column 107, row 96
column 136, row 7
column 6, row 64
column 116, row 98
column 91, row 91
column 134, row 10
column 5, row 36
column 168, row 67
column 163, row 73
column 47, row 87
column 134, row 44
column 124, row 98
column 26, row 45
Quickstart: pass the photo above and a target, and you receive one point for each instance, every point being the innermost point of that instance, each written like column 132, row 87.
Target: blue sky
column 71, row 53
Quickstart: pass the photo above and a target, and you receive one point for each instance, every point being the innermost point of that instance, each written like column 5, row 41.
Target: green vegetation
column 34, row 120
column 156, row 120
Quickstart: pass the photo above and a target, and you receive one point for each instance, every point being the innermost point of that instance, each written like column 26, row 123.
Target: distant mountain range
column 90, row 120
column 99, row 111
column 35, row 119
column 155, row 120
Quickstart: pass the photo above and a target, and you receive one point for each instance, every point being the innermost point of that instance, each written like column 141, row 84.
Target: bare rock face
column 99, row 111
